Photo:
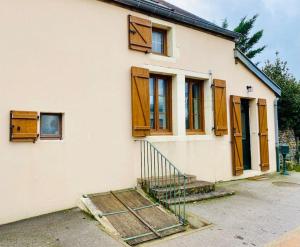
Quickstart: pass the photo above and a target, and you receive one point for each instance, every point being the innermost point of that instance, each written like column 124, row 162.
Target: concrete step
column 191, row 188
column 166, row 181
column 199, row 197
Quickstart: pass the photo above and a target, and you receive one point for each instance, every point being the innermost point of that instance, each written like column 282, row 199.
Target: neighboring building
column 68, row 65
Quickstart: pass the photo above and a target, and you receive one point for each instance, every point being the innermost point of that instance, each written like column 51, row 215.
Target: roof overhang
column 170, row 14
column 256, row 71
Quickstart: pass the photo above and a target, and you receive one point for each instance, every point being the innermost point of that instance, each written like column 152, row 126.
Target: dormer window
column 159, row 41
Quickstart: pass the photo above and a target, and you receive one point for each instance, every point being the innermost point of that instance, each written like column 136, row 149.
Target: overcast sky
column 279, row 18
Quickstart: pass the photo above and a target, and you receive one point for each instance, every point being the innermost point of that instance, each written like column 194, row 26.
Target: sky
column 280, row 20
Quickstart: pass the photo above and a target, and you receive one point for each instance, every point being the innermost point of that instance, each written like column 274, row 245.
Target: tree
column 247, row 42
column 289, row 102
column 225, row 23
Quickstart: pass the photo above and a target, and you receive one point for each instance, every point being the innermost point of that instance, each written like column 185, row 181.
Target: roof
column 256, row 71
column 169, row 11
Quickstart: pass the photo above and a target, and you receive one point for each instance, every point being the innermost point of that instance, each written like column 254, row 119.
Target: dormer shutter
column 140, row 34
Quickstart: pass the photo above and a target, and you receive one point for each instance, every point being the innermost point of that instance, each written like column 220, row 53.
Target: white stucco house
column 81, row 80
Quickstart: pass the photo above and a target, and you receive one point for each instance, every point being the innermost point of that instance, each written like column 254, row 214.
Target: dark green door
column 246, row 134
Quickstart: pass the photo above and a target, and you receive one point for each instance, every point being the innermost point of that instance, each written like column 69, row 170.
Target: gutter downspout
column 276, row 134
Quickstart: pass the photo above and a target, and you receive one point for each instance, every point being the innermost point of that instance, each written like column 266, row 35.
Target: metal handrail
column 162, row 179
column 173, row 166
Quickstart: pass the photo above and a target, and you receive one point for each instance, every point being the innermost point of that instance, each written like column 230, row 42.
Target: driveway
column 259, row 213
column 262, row 212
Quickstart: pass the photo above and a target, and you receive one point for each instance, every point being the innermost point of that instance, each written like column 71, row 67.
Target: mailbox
column 284, row 149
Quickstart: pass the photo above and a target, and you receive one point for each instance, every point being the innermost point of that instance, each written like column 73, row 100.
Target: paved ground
column 70, row 228
column 290, row 239
column 260, row 213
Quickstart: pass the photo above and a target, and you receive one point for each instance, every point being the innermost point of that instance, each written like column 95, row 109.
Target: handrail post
column 154, row 165
column 184, row 188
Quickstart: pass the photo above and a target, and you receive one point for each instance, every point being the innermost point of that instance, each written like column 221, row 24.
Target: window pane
column 50, row 125
column 158, row 42
column 196, row 122
column 152, row 102
column 159, row 102
column 162, row 121
column 162, row 103
column 187, row 114
column 196, row 90
column 196, row 105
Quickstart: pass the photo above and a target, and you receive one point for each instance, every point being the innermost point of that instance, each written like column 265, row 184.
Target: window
column 194, row 106
column 160, row 104
column 159, row 41
column 51, row 126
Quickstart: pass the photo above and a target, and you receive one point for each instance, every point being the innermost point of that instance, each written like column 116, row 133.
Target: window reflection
column 187, row 114
column 159, row 102
column 162, row 104
column 152, row 101
column 196, row 105
column 158, row 42
column 193, row 107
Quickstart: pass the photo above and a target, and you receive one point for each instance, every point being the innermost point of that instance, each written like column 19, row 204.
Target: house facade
column 83, row 79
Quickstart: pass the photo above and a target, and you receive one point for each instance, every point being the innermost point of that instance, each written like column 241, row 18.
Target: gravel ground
column 259, row 213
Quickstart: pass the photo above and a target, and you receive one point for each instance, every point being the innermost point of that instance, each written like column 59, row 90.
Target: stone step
column 166, row 181
column 199, row 197
column 195, row 187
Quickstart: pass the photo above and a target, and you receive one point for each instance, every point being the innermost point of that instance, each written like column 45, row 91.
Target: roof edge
column 258, row 72
column 181, row 18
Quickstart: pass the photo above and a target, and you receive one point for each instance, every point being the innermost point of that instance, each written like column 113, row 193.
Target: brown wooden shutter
column 220, row 108
column 23, row 126
column 140, row 102
column 236, row 134
column 140, row 34
column 263, row 134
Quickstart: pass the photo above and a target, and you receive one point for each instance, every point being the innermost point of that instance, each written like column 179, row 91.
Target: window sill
column 157, row 133
column 162, row 57
column 184, row 138
column 191, row 132
column 51, row 138
column 159, row 54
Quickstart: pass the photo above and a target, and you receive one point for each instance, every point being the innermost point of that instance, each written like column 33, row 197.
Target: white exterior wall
column 72, row 56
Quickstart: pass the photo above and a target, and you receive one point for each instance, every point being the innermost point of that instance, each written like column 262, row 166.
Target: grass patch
column 297, row 168
column 293, row 166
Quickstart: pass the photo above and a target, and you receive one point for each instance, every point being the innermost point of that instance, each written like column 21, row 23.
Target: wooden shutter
column 220, row 108
column 263, row 134
column 140, row 34
column 236, row 134
column 23, row 126
column 140, row 102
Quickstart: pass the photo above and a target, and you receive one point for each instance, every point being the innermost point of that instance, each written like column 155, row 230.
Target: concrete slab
column 291, row 239
column 258, row 214
column 70, row 228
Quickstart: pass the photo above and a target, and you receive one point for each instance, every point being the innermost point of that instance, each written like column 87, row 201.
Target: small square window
column 159, row 41
column 51, row 126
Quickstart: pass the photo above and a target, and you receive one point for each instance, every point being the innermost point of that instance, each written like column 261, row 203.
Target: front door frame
column 246, row 137
column 236, row 137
